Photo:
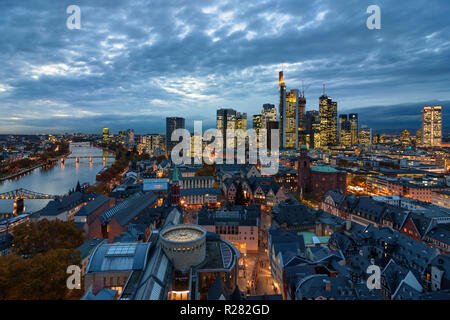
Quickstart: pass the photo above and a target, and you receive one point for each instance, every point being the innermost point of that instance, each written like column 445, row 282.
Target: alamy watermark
column 374, row 20
column 374, row 280
column 74, row 280
column 74, row 20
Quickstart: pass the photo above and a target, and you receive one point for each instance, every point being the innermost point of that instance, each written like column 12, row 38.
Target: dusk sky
column 133, row 63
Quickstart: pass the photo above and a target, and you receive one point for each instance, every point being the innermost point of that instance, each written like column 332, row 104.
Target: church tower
column 304, row 175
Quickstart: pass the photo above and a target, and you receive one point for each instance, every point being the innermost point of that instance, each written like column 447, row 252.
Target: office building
column 432, row 126
column 354, row 128
column 257, row 122
column 328, row 121
column 268, row 113
column 154, row 144
column 289, row 115
column 365, row 136
column 405, row 138
column 226, row 119
column 345, row 132
column 172, row 124
column 312, row 124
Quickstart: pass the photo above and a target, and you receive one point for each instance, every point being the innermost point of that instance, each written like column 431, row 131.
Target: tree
column 42, row 236
column 40, row 277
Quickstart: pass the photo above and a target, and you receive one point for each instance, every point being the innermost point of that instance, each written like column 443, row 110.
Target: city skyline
column 133, row 66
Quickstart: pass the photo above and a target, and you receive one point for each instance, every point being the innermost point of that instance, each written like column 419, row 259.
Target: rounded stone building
column 184, row 245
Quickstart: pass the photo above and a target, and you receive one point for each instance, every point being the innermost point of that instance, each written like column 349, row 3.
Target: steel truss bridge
column 27, row 194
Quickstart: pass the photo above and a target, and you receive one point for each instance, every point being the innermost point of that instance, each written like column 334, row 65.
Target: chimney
column 348, row 225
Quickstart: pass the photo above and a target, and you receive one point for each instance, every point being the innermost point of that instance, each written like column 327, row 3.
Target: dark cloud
column 135, row 62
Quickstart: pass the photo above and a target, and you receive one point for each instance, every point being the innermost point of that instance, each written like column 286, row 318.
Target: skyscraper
column 257, row 122
column 353, row 119
column 313, row 128
column 432, row 126
column 241, row 123
column 226, row 119
column 268, row 113
column 271, row 125
column 288, row 116
column 365, row 136
column 405, row 138
column 345, row 132
column 328, row 121
column 172, row 123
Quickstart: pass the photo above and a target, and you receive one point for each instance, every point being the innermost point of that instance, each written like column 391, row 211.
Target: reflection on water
column 57, row 179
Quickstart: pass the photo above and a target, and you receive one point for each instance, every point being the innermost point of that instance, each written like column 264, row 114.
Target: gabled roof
column 393, row 275
column 440, row 233
column 58, row 206
column 92, row 205
column 128, row 209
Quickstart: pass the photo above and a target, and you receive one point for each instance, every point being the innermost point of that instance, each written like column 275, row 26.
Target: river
column 56, row 180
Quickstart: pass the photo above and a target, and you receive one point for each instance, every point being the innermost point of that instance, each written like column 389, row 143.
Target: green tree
column 40, row 277
column 44, row 235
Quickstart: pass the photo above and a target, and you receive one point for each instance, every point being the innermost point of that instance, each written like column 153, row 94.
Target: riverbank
column 22, row 172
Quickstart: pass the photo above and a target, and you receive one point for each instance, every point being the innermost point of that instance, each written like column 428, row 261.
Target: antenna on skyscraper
column 324, row 89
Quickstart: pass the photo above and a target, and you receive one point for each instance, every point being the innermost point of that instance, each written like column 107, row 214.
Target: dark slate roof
column 393, row 274
column 128, row 209
column 436, row 295
column 337, row 196
column 406, row 292
column 358, row 264
column 409, row 253
column 92, row 205
column 199, row 191
column 286, row 243
column 312, row 287
column 293, row 213
column 421, row 222
column 89, row 246
column 5, row 241
column 58, row 206
column 370, row 207
column 396, row 215
column 440, row 233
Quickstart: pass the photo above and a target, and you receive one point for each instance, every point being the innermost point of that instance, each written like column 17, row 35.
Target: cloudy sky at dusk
column 133, row 63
